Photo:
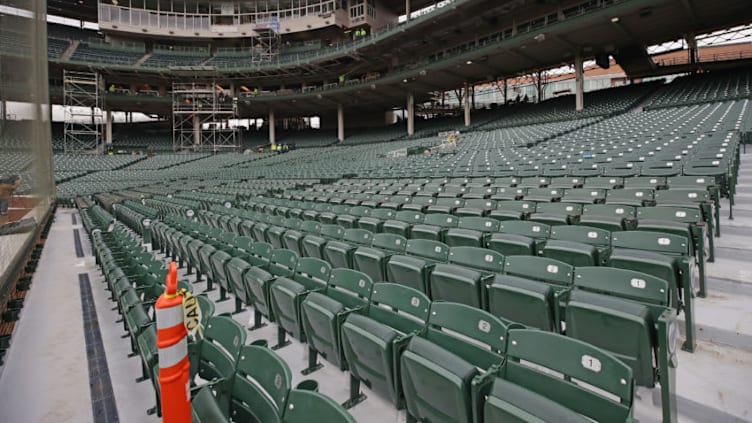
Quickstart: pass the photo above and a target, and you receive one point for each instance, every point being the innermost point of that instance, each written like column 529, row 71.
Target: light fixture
column 469, row 62
column 615, row 19
column 405, row 80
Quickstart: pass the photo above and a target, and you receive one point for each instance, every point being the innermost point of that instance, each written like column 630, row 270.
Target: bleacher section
column 705, row 87
column 104, row 53
column 542, row 267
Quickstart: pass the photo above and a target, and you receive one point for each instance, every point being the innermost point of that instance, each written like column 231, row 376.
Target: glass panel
column 27, row 188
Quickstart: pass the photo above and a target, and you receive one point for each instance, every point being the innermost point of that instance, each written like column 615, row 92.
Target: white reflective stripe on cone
column 172, row 355
column 169, row 317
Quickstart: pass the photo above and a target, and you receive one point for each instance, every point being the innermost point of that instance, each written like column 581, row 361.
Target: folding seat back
column 218, row 351
column 419, row 203
column 204, row 254
column 260, row 386
column 372, row 341
column 479, row 192
column 303, row 404
column 219, row 262
column 583, row 234
column 413, row 268
column 519, row 237
column 283, row 262
column 523, row 300
column 512, row 210
column 509, row 193
column 372, row 260
column 340, row 253
column 604, row 182
column 637, row 197
column 293, row 239
column 683, row 270
column 611, row 217
column 553, row 272
column 434, row 226
column 313, row 245
column 558, row 213
column 645, row 182
column 471, row 232
column 260, row 254
column 438, row 366
column 464, row 279
column 246, row 228
column 376, row 219
column 683, row 221
column 584, row 195
column 687, row 196
column 287, row 294
column 576, row 383
column 205, row 409
column 566, row 182
column 507, row 181
column 324, row 313
column 544, row 194
column 476, row 207
column 534, row 181
column 636, row 307
column 403, row 222
column 446, row 204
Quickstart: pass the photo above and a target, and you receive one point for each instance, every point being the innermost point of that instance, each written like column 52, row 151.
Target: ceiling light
column 615, row 19
column 405, row 80
column 469, row 62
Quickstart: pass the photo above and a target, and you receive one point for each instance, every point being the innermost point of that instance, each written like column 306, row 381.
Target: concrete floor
column 45, row 376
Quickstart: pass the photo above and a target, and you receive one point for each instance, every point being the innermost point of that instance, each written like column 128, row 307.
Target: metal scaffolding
column 201, row 114
column 266, row 44
column 83, row 100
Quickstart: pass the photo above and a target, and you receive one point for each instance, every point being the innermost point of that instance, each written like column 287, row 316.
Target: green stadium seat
column 434, row 226
column 215, row 355
column 402, row 223
column 324, row 312
column 305, row 406
column 476, row 206
column 611, row 217
column 668, row 257
column 693, row 197
column 313, row 245
column 287, row 294
column 464, row 279
column 375, row 220
column 293, row 238
column 525, row 301
column 260, row 386
column 684, row 221
column 218, row 263
column 373, row 340
column 438, row 366
column 471, row 232
column 350, row 220
column 414, row 266
column 205, row 409
column 628, row 313
column 340, row 253
column 636, row 197
column 575, row 383
column 372, row 260
column 512, row 210
column 598, row 238
column 556, row 213
column 519, row 237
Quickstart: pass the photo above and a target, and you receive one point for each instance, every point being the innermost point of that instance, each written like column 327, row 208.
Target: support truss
column 201, row 116
column 83, row 100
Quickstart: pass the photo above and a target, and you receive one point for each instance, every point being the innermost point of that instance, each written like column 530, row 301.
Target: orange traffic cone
column 174, row 367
